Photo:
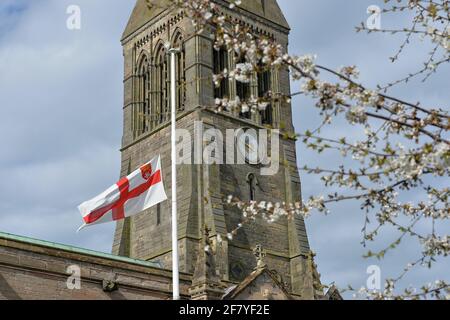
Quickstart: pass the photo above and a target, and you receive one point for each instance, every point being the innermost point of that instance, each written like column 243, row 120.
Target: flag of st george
column 133, row 194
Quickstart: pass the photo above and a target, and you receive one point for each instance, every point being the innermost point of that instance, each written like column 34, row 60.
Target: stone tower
column 203, row 187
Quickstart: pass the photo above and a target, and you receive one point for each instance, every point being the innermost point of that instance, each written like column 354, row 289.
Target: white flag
column 133, row 194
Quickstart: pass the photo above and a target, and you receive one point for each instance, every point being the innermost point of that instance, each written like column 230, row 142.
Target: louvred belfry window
column 264, row 88
column 161, row 86
column 142, row 111
column 243, row 90
column 220, row 63
column 180, row 71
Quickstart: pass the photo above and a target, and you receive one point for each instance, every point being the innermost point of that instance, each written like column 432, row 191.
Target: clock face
column 248, row 146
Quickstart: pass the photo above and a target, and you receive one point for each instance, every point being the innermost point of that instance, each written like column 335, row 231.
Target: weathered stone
column 201, row 187
column 140, row 266
column 103, row 276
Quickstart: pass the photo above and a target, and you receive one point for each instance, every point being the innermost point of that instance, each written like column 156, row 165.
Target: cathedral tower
column 202, row 187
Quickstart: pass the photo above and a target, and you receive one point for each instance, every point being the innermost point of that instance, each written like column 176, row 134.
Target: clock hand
column 249, row 146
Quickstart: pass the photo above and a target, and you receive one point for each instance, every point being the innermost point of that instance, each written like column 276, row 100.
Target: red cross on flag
column 133, row 194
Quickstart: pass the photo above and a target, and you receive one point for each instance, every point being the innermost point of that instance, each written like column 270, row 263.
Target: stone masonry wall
column 202, row 187
column 31, row 270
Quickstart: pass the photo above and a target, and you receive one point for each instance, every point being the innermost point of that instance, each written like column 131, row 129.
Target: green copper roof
column 142, row 14
column 73, row 249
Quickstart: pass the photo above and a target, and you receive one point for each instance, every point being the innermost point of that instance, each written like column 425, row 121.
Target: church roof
column 268, row 9
column 333, row 294
column 234, row 291
column 142, row 14
column 72, row 249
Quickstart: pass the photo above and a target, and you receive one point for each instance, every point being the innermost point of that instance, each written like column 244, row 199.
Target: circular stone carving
column 237, row 271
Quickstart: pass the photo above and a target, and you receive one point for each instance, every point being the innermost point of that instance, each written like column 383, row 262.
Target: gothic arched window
column 220, row 63
column 264, row 87
column 251, row 180
column 243, row 91
column 161, row 86
column 143, row 102
column 180, row 71
column 158, row 214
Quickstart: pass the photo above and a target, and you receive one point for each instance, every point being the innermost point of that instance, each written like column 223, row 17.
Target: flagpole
column 175, row 263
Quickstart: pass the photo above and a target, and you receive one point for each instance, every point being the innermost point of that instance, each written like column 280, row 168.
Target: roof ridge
column 74, row 249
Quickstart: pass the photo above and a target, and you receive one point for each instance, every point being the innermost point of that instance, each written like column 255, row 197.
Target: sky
column 61, row 100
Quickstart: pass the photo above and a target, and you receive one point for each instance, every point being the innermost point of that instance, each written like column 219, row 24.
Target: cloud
column 60, row 120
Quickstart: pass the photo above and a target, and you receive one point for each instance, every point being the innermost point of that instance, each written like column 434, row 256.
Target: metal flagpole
column 175, row 263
